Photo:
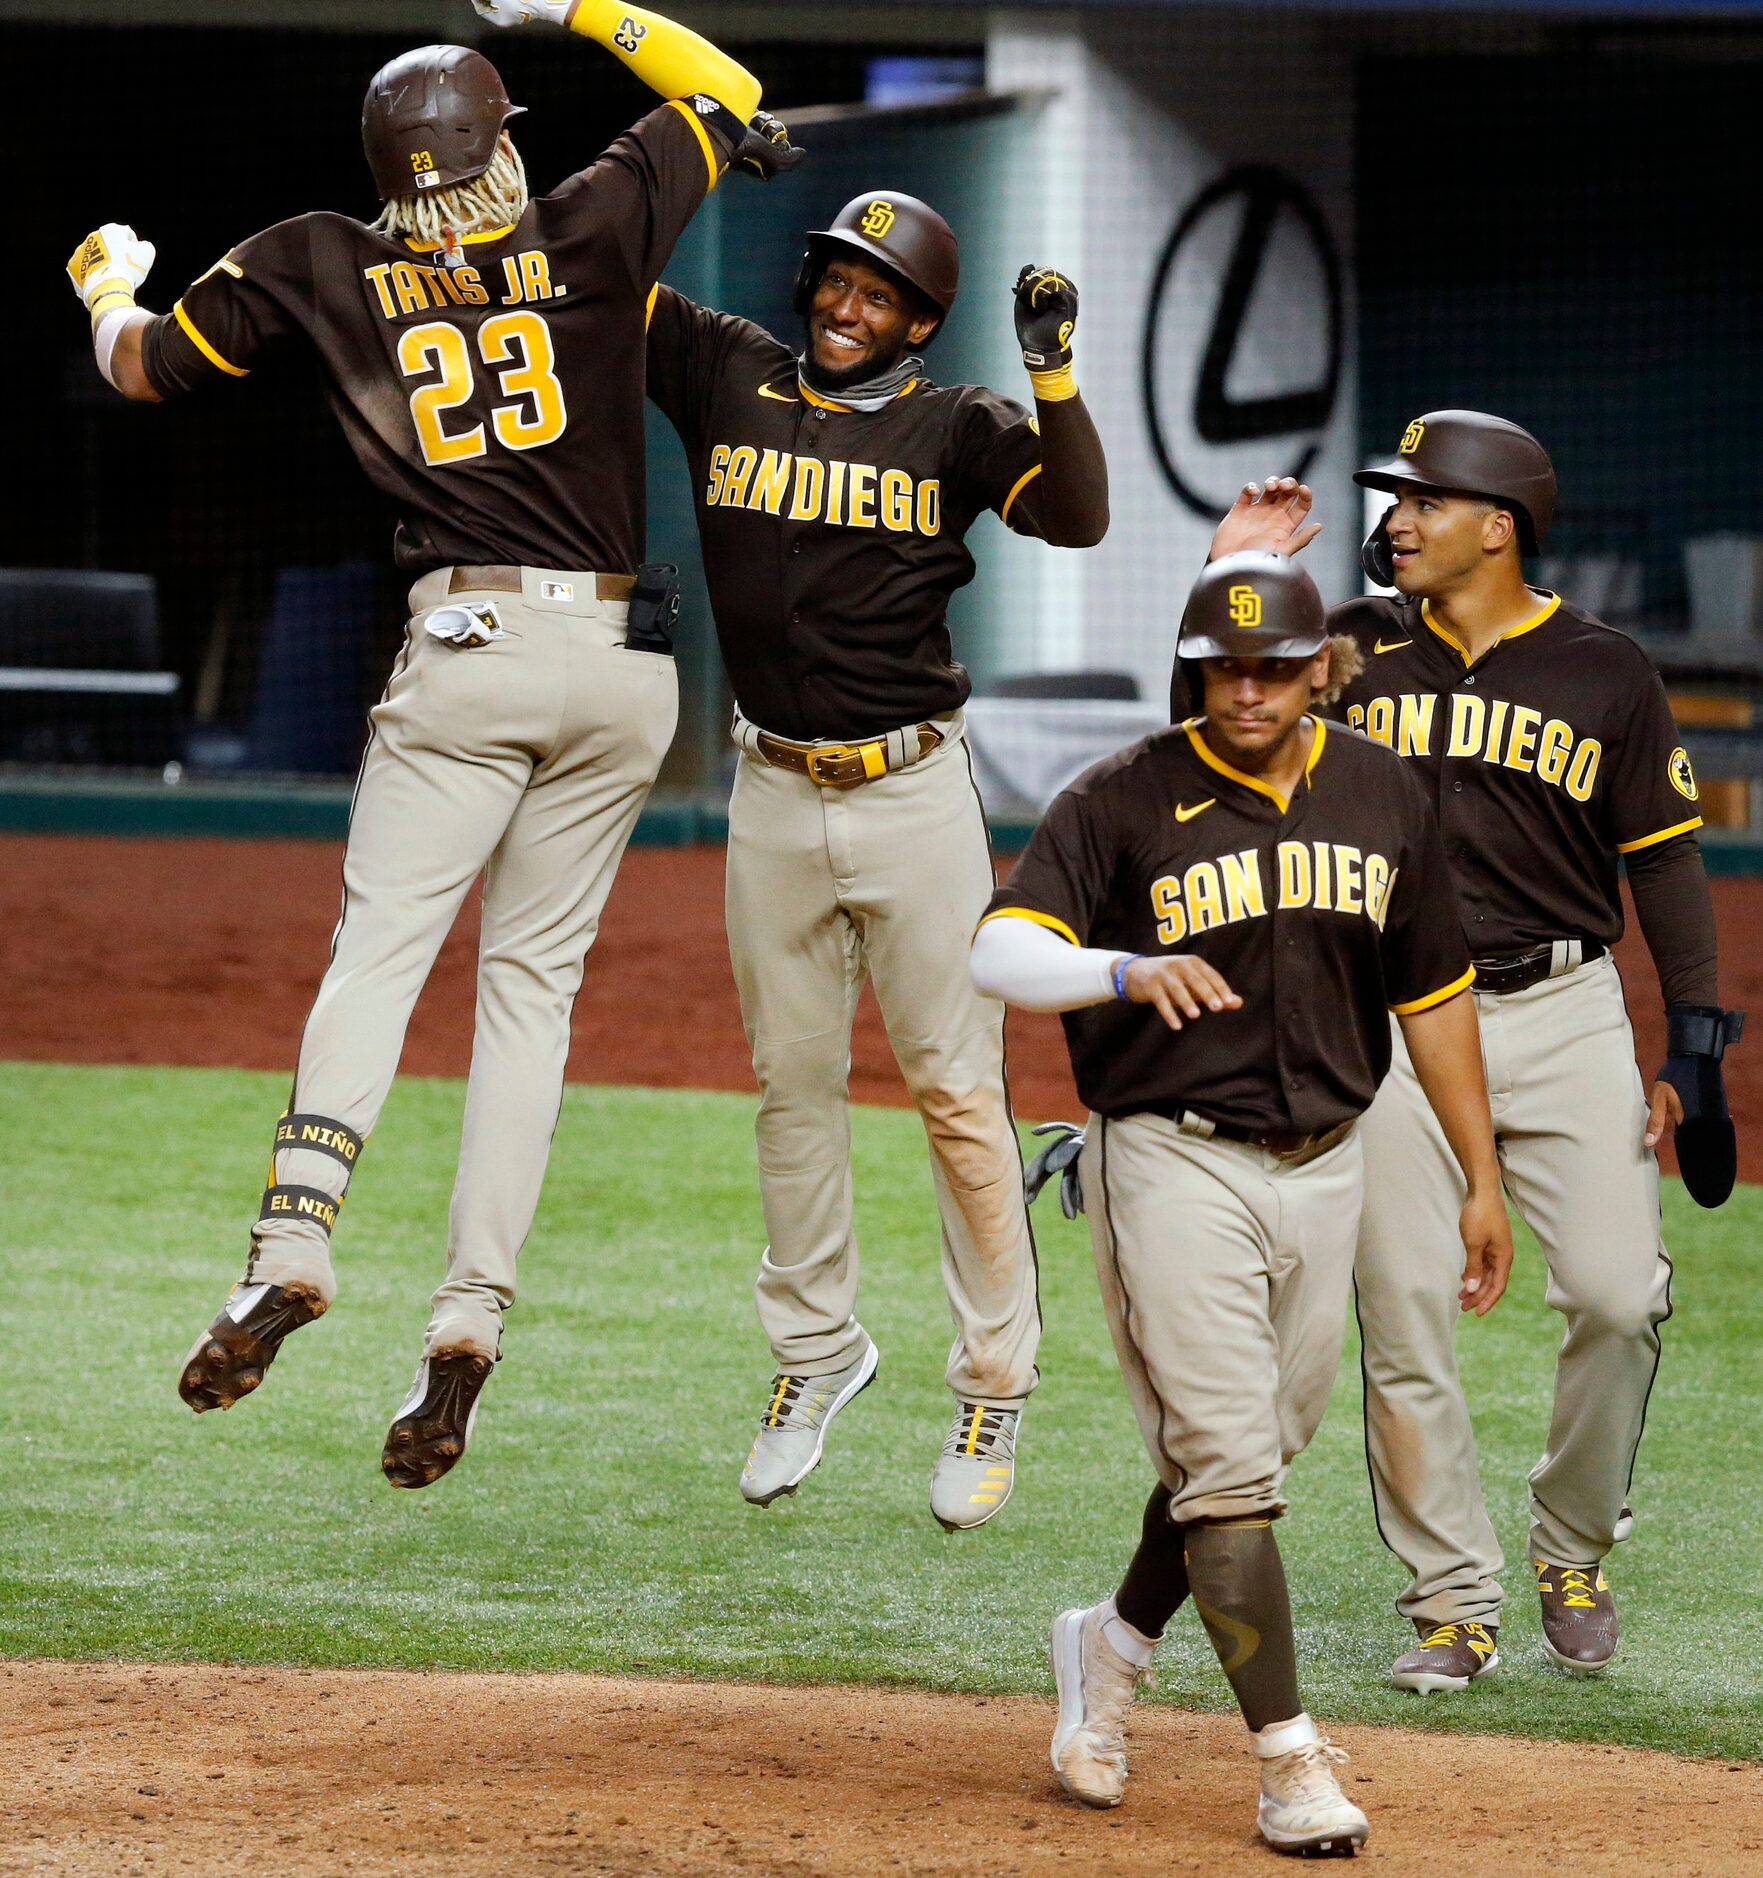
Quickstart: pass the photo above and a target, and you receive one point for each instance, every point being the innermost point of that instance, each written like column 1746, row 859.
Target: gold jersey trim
column 202, row 345
column 1436, row 997
column 1038, row 919
column 1515, row 632
column 703, row 137
column 1022, row 483
column 1664, row 834
column 483, row 234
column 1204, row 753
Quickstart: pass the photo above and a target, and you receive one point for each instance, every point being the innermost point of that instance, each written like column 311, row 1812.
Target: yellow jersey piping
column 832, row 404
column 1039, row 919
column 1435, row 997
column 1022, row 482
column 1254, row 782
column 202, row 345
column 483, row 234
column 703, row 137
column 1462, row 651
column 1664, row 834
column 649, row 305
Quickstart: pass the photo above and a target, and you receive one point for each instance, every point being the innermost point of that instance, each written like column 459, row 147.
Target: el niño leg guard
column 1156, row 1582
column 1239, row 1589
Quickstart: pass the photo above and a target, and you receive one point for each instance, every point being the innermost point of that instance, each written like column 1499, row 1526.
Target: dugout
column 1293, row 227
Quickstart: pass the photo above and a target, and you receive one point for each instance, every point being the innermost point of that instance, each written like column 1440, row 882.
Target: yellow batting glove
column 108, row 266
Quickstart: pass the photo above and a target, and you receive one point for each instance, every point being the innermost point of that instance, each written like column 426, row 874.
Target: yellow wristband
column 119, row 291
column 1053, row 387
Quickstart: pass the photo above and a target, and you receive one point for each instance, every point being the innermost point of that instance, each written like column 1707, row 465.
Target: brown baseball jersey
column 833, row 537
column 1323, row 913
column 499, row 403
column 1547, row 758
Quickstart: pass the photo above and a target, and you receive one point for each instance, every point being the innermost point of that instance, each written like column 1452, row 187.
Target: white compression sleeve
column 1027, row 965
column 108, row 330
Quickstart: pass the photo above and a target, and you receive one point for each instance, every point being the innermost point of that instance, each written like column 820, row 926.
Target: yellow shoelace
column 1577, row 1588
column 1442, row 1636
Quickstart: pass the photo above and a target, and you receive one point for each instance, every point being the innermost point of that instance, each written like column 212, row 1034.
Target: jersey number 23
column 517, row 348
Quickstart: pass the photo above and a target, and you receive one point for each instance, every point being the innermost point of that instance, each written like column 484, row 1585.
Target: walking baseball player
column 483, row 352
column 1547, row 744
column 835, row 484
column 1226, row 912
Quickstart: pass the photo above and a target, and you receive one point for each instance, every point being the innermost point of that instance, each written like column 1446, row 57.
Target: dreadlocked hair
column 1346, row 660
column 496, row 199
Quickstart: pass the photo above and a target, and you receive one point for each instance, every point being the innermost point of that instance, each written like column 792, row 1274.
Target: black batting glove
column 761, row 147
column 1697, row 1036
column 1046, row 316
column 1058, row 1160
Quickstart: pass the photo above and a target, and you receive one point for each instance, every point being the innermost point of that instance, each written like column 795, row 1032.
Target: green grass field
column 596, row 1523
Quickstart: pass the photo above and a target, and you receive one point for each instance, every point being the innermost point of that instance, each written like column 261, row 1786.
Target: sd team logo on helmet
column 898, row 232
column 1253, row 606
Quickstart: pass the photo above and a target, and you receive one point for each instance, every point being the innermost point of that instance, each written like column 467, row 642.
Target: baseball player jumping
column 483, row 352
column 835, row 484
column 1226, row 913
column 1546, row 742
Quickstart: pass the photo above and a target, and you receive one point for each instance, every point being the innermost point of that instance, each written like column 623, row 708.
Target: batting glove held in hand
column 108, row 266
column 1059, row 1157
column 1046, row 317
column 524, row 12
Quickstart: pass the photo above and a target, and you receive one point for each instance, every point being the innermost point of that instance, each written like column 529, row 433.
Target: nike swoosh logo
column 1184, row 814
column 778, row 397
column 1391, row 645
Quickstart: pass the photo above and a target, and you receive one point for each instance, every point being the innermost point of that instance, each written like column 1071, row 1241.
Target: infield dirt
column 125, row 1769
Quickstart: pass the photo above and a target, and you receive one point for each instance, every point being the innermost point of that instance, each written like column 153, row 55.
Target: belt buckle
column 843, row 765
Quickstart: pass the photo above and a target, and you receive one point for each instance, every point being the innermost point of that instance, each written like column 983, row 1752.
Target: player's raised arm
column 1069, row 501
column 675, row 62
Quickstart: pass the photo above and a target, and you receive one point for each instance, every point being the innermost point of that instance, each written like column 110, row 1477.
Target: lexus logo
column 1243, row 338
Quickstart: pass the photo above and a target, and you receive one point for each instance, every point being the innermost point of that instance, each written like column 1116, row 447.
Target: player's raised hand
column 523, row 12
column 1046, row 317
column 766, row 151
column 109, row 265
column 1178, row 985
column 1273, row 516
column 1487, row 1251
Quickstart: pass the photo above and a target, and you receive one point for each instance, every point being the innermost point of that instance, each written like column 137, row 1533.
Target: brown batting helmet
column 1253, row 605
column 1470, row 453
column 898, row 232
column 431, row 119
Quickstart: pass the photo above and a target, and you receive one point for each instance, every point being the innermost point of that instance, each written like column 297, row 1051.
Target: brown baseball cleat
column 429, row 1433
column 1450, row 1656
column 231, row 1355
column 1579, row 1616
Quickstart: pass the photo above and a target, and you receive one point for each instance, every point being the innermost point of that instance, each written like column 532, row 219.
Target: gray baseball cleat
column 1096, row 1687
column 428, row 1434
column 228, row 1360
column 792, row 1431
column 977, row 1467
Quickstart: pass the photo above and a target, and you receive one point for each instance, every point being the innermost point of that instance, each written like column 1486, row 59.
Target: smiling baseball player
column 836, row 483
column 483, row 351
column 1546, row 743
column 1227, row 913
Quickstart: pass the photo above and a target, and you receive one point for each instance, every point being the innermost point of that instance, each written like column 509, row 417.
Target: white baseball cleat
column 1302, row 1806
column 1096, row 1687
column 976, row 1470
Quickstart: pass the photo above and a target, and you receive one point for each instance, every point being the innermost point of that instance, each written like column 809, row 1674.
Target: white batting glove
column 110, row 264
column 524, row 12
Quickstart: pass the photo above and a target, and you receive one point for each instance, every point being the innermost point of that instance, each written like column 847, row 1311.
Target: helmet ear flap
column 1376, row 554
column 807, row 279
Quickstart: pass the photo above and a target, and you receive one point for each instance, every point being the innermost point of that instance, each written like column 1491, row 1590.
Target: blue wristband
column 1119, row 972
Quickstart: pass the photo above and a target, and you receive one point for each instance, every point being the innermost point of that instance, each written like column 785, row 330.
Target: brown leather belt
column 1518, row 971
column 1285, row 1143
column 507, row 580
column 840, row 765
